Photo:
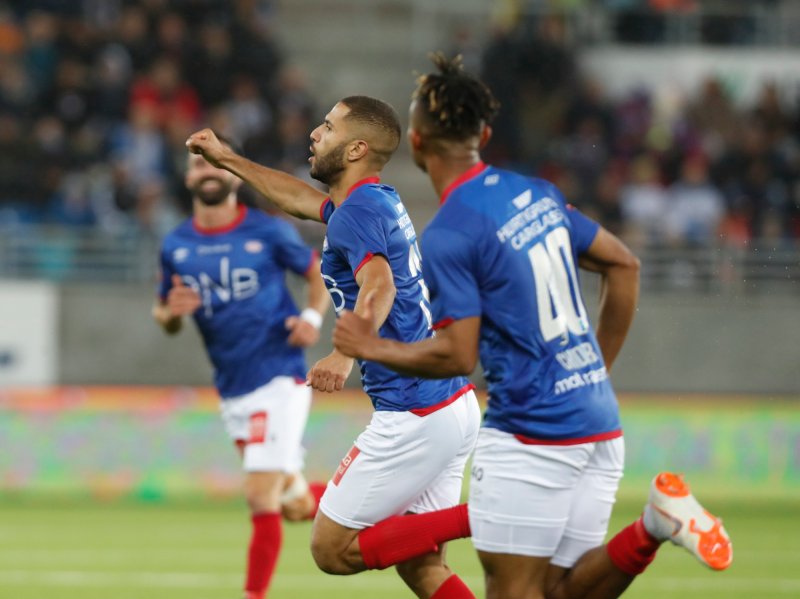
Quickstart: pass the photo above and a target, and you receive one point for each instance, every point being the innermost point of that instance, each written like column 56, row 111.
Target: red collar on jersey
column 241, row 214
column 468, row 174
column 366, row 181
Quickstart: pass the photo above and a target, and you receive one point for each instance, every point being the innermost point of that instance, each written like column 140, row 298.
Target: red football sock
column 633, row 548
column 317, row 489
column 265, row 545
column 453, row 588
column 399, row 538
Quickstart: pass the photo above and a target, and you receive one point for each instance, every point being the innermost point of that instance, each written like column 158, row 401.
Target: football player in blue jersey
column 501, row 260
column 226, row 267
column 394, row 498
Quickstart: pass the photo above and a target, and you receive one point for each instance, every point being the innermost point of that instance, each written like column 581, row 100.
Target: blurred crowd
column 677, row 170
column 97, row 98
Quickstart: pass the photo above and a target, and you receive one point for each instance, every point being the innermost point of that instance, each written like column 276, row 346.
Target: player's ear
column 486, row 135
column 414, row 138
column 357, row 149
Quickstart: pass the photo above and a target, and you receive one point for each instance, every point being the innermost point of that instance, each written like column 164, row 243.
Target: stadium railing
column 88, row 255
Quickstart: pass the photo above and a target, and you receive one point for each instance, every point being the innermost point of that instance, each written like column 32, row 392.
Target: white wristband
column 312, row 317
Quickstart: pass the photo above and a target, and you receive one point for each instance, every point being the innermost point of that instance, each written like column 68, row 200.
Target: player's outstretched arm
column 619, row 290
column 290, row 194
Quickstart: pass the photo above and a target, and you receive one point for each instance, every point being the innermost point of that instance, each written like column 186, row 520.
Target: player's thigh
column 268, row 423
column 510, row 576
column 445, row 490
column 521, row 495
column 592, row 504
column 392, row 463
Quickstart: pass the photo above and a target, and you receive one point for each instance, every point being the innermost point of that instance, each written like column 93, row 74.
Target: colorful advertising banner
column 168, row 442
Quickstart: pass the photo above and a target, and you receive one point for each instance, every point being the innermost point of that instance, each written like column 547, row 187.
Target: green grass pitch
column 196, row 550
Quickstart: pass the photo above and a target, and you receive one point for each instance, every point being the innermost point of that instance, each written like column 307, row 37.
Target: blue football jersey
column 373, row 221
column 505, row 248
column 239, row 272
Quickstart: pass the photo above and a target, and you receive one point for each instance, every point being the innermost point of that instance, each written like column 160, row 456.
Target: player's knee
column 328, row 559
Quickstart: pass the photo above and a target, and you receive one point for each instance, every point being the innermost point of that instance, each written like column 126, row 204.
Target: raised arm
column 292, row 195
column 619, row 290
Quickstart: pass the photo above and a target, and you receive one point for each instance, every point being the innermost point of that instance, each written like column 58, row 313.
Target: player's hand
column 182, row 300
column 354, row 334
column 330, row 373
column 301, row 332
column 205, row 142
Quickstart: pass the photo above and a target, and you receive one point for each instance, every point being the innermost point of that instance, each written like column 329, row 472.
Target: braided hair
column 456, row 105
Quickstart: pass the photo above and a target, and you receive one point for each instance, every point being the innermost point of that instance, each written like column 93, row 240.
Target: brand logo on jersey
column 220, row 248
column 522, row 200
column 253, row 246
column 325, row 244
column 180, row 254
column 491, row 180
column 232, row 284
column 400, row 208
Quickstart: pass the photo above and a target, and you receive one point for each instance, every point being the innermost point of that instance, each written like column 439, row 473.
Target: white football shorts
column 268, row 424
column 542, row 500
column 404, row 463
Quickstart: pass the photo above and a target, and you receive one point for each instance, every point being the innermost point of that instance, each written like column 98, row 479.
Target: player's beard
column 213, row 196
column 328, row 168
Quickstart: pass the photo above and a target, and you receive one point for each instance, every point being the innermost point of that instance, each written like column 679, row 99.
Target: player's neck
column 338, row 191
column 444, row 170
column 214, row 217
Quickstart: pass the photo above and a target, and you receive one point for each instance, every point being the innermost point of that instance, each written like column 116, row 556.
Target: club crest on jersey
column 180, row 254
column 253, row 246
column 491, row 180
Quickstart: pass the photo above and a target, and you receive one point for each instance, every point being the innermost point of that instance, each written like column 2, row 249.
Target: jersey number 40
column 558, row 297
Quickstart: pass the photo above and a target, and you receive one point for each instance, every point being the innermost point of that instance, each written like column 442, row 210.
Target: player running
column 501, row 259
column 226, row 268
column 411, row 457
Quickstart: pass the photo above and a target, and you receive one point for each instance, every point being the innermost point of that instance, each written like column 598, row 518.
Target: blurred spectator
column 643, row 202
column 695, row 207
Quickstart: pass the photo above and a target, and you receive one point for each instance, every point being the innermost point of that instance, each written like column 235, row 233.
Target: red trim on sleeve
column 577, row 441
column 366, row 259
column 240, row 216
column 444, row 322
column 322, row 209
column 314, row 256
column 468, row 174
column 443, row 404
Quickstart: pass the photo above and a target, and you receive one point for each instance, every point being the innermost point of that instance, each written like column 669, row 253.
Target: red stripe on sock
column 632, row 549
column 453, row 588
column 262, row 556
column 400, row 538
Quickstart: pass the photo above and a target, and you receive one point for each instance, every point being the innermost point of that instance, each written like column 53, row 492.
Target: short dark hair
column 376, row 114
column 455, row 103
